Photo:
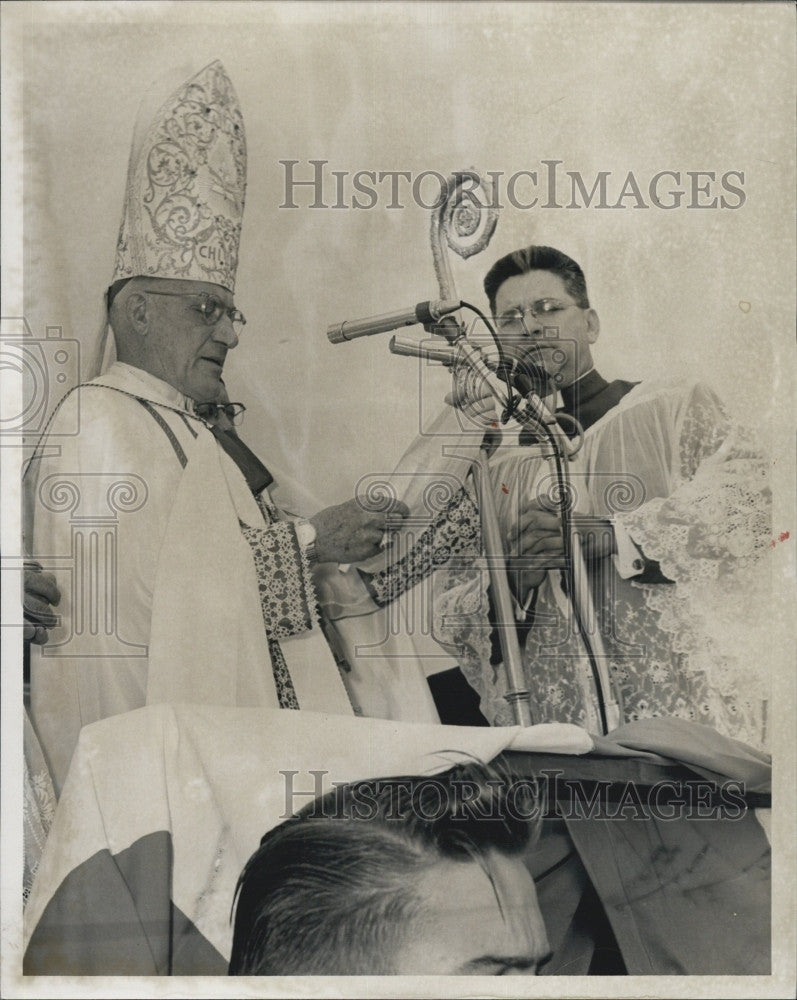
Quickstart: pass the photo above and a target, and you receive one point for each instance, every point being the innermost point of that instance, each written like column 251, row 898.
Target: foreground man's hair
column 333, row 891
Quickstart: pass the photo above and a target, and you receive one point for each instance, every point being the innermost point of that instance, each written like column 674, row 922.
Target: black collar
column 591, row 397
column 582, row 392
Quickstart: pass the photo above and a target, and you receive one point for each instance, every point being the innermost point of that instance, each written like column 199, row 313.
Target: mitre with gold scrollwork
column 186, row 184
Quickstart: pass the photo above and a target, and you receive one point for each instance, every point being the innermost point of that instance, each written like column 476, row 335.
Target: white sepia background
column 416, row 87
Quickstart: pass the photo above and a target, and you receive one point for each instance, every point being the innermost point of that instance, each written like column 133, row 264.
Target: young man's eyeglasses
column 234, row 412
column 514, row 320
column 211, row 308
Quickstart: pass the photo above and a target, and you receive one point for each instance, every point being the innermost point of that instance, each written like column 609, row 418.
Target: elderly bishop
column 181, row 580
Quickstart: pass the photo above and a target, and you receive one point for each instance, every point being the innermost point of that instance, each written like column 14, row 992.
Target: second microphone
column 424, row 312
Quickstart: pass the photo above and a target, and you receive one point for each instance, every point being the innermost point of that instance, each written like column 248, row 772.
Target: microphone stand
column 554, row 446
column 467, row 223
column 575, row 579
column 517, row 694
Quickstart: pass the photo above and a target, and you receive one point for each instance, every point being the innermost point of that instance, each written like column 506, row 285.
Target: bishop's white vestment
column 177, row 584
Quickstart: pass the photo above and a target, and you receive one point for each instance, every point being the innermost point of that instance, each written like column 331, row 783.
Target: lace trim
column 665, row 659
column 705, row 426
column 286, row 693
column 461, row 624
column 285, row 584
column 455, row 532
column 713, row 537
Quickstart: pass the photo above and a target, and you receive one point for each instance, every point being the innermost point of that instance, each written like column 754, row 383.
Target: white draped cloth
column 218, row 778
column 140, row 515
column 690, row 489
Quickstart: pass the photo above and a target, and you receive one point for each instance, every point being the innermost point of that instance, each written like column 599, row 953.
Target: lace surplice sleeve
column 712, row 536
column 716, row 520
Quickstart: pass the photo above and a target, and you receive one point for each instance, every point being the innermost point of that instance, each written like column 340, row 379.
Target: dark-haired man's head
column 543, row 316
column 396, row 876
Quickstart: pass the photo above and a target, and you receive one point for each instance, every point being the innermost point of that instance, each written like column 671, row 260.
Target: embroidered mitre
column 186, row 184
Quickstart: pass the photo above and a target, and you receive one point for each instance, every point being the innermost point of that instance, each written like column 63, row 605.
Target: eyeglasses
column 211, row 309
column 234, row 412
column 514, row 320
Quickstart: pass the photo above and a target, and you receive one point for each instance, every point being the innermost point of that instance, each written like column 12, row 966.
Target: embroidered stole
column 286, row 693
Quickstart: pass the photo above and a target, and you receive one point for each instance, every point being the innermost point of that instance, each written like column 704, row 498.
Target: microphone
column 534, row 383
column 410, row 348
column 424, row 312
column 526, row 376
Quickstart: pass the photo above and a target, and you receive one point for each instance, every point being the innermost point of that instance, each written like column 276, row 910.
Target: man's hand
column 41, row 593
column 347, row 533
column 537, row 538
column 470, row 395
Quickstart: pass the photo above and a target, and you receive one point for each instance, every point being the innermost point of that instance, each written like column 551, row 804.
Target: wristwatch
column 306, row 535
